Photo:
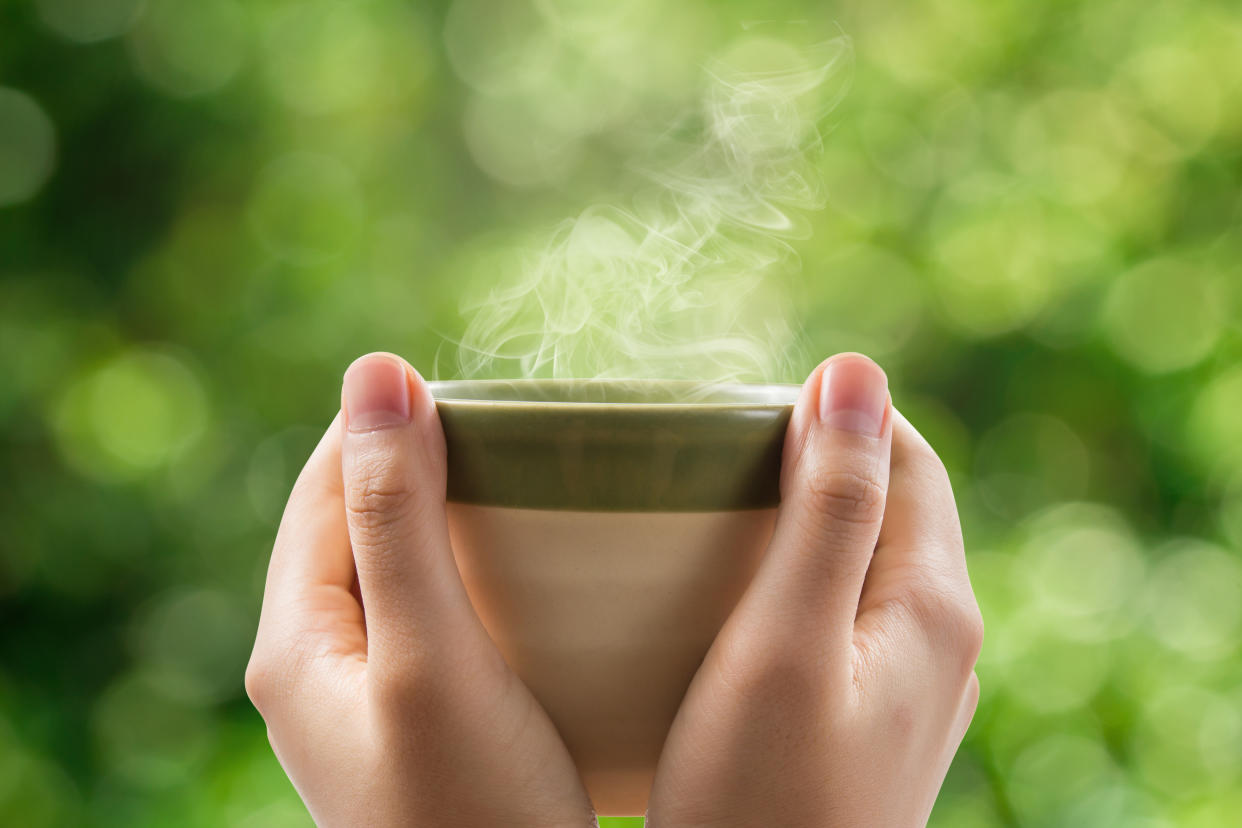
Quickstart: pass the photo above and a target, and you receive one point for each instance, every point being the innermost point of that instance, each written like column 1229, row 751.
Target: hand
column 838, row 690
column 385, row 700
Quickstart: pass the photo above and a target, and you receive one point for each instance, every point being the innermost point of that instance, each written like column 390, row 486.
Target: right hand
column 840, row 687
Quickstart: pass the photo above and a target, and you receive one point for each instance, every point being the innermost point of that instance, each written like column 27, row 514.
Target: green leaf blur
column 209, row 207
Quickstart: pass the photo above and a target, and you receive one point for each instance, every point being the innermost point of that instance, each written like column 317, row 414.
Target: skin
column 385, row 700
column 836, row 694
column 840, row 687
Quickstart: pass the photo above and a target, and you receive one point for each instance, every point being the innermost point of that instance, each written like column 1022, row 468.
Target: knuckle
column 277, row 668
column 771, row 674
column 395, row 689
column 962, row 624
column 954, row 622
column 376, row 501
column 259, row 681
column 845, row 495
column 401, row 691
column 970, row 635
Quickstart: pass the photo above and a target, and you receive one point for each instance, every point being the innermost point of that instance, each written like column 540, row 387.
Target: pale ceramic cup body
column 604, row 531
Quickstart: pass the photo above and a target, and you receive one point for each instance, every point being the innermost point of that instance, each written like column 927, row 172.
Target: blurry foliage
column 208, row 207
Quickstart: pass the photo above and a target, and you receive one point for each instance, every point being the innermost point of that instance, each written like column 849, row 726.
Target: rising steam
column 685, row 282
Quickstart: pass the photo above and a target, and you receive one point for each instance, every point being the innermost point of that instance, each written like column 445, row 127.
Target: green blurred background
column 209, row 207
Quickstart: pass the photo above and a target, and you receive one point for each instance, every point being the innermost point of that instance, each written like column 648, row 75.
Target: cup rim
column 554, row 393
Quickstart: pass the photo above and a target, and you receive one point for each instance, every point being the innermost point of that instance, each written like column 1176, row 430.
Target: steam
column 687, row 280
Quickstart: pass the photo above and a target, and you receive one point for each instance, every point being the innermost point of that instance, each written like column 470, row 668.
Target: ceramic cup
column 604, row 530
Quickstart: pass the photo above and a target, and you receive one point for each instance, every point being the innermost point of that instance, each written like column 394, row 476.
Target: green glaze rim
column 614, row 445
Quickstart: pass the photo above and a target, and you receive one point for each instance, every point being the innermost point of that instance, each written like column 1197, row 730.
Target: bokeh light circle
column 590, row 19
column 897, row 148
column 1214, row 428
column 196, row 642
column 1212, row 812
column 328, row 57
column 87, row 21
column 1028, row 461
column 40, row 791
column 1046, row 672
column 1053, row 781
column 513, row 147
column 131, row 415
column 499, row 47
column 148, row 737
column 27, row 147
column 996, row 268
column 1164, row 315
column 1069, row 145
column 306, row 208
column 1177, row 91
column 1188, row 741
column 1082, row 565
column 190, row 47
column 873, row 302
column 1194, row 600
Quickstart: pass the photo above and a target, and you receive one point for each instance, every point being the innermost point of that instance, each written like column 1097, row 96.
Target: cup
column 604, row 530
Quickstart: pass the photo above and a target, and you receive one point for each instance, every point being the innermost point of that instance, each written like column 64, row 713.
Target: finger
column 308, row 608
column 919, row 570
column 921, row 505
column 393, row 464
column 920, row 544
column 966, row 711
column 834, row 478
column 312, row 544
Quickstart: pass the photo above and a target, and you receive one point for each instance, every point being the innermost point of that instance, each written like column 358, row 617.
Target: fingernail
column 375, row 393
column 853, row 395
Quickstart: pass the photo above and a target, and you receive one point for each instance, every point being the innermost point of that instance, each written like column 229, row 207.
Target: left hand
column 385, row 699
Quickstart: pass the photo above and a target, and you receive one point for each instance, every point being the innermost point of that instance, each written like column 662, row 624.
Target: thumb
column 834, row 483
column 393, row 464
